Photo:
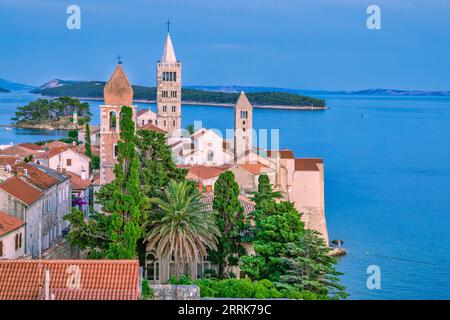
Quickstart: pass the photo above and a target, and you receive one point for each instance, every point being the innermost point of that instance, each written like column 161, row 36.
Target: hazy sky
column 310, row 44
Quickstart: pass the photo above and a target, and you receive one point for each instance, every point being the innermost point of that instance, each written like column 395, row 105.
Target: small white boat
column 8, row 128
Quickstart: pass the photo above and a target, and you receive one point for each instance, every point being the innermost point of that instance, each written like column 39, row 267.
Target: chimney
column 19, row 172
column 200, row 187
column 47, row 285
column 83, row 174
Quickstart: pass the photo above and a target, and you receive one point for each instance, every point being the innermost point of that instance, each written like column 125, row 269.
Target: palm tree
column 180, row 226
column 190, row 128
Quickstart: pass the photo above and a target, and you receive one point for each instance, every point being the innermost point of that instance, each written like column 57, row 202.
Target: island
column 62, row 113
column 4, row 90
column 94, row 90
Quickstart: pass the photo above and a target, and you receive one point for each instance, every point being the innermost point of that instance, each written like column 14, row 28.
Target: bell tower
column 243, row 126
column 168, row 81
column 117, row 93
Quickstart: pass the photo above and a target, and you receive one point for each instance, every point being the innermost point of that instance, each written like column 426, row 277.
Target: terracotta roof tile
column 56, row 143
column 54, row 151
column 246, row 203
column 284, row 154
column 9, row 223
column 77, row 183
column 142, row 111
column 36, row 175
column 21, row 190
column 98, row 279
column 152, row 127
column 305, row 164
column 205, row 172
column 254, row 168
column 31, row 146
column 11, row 160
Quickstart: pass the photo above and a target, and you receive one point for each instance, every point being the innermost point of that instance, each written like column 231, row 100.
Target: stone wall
column 174, row 292
column 63, row 250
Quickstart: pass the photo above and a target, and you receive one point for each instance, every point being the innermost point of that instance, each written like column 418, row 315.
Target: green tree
column 190, row 128
column 310, row 268
column 124, row 200
column 180, row 226
column 117, row 233
column 286, row 253
column 230, row 220
column 88, row 148
column 157, row 167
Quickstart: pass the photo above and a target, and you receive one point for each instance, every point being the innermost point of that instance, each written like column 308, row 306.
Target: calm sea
column 387, row 181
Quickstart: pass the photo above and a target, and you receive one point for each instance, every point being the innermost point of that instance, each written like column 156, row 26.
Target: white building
column 12, row 237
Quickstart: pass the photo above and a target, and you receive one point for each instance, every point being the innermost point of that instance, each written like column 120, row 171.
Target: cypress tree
column 124, row 199
column 88, row 148
column 230, row 220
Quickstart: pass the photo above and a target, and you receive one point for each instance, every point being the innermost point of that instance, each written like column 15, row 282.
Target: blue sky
column 310, row 44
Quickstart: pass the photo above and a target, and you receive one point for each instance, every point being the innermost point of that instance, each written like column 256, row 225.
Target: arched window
column 165, row 124
column 174, row 76
column 173, row 123
column 112, row 121
column 164, row 108
column 152, row 267
column 174, row 108
column 115, row 151
column 210, row 155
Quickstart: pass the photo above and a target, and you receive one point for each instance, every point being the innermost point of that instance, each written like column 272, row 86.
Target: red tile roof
column 36, row 176
column 205, row 172
column 142, row 111
column 31, row 146
column 77, row 183
column 16, row 151
column 305, row 164
column 56, row 143
column 152, row 127
column 284, row 154
column 95, row 181
column 254, row 168
column 21, row 190
column 11, row 160
column 246, row 203
column 54, row 151
column 70, row 279
column 9, row 223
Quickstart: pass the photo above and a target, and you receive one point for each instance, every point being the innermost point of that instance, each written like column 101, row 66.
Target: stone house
column 12, row 237
column 41, row 197
column 69, row 159
column 145, row 116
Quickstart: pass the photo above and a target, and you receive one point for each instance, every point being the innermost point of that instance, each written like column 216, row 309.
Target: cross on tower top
column 119, row 59
column 168, row 25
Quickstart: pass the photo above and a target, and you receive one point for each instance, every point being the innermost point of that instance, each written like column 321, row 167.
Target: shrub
column 208, row 287
column 237, row 288
column 184, row 280
column 147, row 292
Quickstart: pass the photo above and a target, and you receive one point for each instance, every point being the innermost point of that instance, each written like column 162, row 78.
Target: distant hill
column 374, row 92
column 94, row 89
column 4, row 90
column 13, row 86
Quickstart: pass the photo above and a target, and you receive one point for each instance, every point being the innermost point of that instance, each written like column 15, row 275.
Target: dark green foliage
column 157, row 167
column 190, row 128
column 294, row 258
column 95, row 162
column 115, row 235
column 73, row 134
column 44, row 110
column 230, row 220
column 237, row 288
column 88, row 148
column 147, row 291
column 94, row 89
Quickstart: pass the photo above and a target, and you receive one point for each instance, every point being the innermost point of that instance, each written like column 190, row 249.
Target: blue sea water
column 387, row 181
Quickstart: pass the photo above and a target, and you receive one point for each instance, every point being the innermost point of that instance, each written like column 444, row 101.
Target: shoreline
column 215, row 104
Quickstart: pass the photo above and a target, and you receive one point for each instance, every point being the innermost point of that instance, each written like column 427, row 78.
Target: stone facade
column 168, row 79
column 243, row 126
column 175, row 292
column 117, row 93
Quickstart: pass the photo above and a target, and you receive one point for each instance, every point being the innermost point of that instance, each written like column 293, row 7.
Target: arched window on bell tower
column 112, row 121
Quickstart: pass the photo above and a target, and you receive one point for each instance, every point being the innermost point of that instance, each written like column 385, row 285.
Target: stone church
column 206, row 153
